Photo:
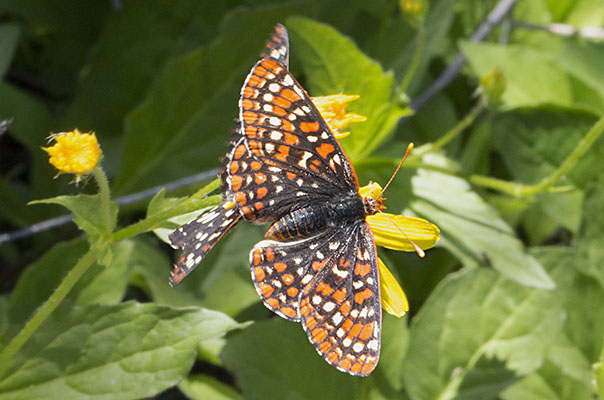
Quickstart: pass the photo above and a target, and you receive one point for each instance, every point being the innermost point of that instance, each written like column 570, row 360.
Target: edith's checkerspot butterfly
column 318, row 264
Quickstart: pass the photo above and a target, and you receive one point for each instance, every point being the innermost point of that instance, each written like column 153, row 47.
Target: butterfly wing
column 277, row 47
column 341, row 308
column 330, row 283
column 287, row 155
column 199, row 236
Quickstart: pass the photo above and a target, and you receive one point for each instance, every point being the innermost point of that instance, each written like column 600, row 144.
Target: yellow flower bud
column 74, row 153
column 333, row 111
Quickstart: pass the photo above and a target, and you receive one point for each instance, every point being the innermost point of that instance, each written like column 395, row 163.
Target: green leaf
column 131, row 49
column 334, row 64
column 9, row 36
column 529, row 73
column 124, row 351
column 184, row 122
column 151, row 272
column 599, row 376
column 583, row 59
column 274, row 360
column 566, row 369
column 478, row 324
column 533, row 144
column 471, row 228
column 200, row 387
column 89, row 216
column 104, row 285
column 590, row 247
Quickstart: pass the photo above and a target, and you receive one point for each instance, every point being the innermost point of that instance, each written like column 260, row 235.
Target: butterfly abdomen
column 307, row 220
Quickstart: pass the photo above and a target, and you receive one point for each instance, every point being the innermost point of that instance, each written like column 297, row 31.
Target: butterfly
column 318, row 264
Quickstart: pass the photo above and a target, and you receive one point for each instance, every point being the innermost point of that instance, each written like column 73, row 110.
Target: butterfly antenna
column 418, row 249
column 409, row 149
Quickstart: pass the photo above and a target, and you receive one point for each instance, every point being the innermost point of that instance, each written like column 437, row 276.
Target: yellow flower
column 397, row 232
column 333, row 110
column 74, row 153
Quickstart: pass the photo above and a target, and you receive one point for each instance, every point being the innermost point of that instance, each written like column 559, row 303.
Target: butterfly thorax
column 319, row 215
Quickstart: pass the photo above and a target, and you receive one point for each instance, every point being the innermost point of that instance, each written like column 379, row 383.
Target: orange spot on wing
column 339, row 295
column 248, row 212
column 259, row 272
column 290, row 175
column 324, row 288
column 308, row 127
column 290, row 95
column 259, row 71
column 261, row 192
column 281, row 102
column 362, row 269
column 259, row 178
column 288, row 311
column 279, row 266
column 256, row 165
column 333, row 357
column 368, row 367
column 239, row 152
column 325, row 149
column 324, row 347
column 318, row 335
column 256, row 259
column 234, row 167
column 274, row 303
column 366, row 332
column 291, row 139
column 249, row 117
column 362, row 296
column 345, row 364
column 345, row 308
column 269, row 254
column 258, row 206
column 311, row 323
column 354, row 331
column 239, row 196
column 236, row 182
column 356, row 368
column 292, row 291
column 247, row 104
column 288, row 279
column 265, row 289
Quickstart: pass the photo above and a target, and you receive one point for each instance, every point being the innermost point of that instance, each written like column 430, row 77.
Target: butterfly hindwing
column 341, row 309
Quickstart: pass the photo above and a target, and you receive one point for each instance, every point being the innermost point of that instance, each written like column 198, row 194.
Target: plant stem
column 196, row 201
column 46, row 309
column 155, row 220
column 105, row 193
column 417, row 56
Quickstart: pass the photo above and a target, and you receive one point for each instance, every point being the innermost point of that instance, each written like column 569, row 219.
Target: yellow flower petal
column 74, row 152
column 388, row 235
column 394, row 300
column 333, row 110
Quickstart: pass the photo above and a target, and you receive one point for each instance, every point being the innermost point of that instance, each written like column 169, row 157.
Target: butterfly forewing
column 287, row 147
column 277, row 47
column 199, row 236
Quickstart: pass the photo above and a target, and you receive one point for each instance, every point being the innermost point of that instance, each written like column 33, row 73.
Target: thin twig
column 588, row 32
column 124, row 200
column 494, row 17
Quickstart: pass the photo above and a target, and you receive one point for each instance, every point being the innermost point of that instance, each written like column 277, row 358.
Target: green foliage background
column 508, row 305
